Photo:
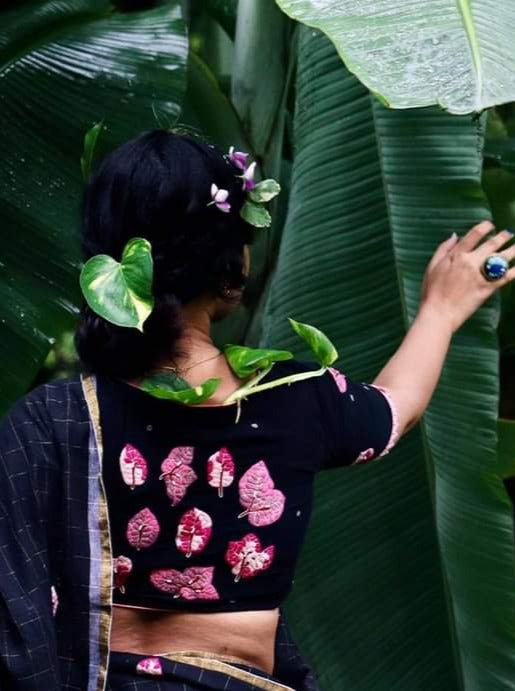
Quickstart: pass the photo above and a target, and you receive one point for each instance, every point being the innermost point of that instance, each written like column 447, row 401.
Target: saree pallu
column 186, row 671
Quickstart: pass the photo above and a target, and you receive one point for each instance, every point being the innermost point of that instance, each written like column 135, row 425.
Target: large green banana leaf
column 456, row 53
column 406, row 582
column 207, row 109
column 64, row 66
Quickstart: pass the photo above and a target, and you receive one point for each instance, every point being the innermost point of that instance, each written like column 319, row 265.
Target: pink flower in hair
column 239, row 158
column 219, row 197
column 248, row 177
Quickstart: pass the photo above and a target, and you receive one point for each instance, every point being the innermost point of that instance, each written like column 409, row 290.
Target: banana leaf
column 63, row 67
column 406, row 580
column 261, row 48
column 455, row 53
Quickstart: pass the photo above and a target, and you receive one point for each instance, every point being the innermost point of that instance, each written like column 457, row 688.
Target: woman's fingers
column 508, row 253
column 508, row 277
column 473, row 237
column 442, row 249
column 494, row 244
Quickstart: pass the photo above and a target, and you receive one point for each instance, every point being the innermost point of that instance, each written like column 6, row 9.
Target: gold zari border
column 222, row 663
column 90, row 394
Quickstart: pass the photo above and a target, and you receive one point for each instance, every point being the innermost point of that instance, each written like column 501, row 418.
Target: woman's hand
column 453, row 288
column 453, row 284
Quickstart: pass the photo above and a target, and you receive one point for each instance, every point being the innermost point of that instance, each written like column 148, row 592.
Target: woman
column 148, row 543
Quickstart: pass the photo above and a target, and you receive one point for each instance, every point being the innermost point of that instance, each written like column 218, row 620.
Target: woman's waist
column 245, row 636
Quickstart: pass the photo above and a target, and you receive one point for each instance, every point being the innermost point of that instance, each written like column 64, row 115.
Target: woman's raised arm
column 452, row 290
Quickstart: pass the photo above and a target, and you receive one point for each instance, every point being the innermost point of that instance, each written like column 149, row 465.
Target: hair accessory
column 248, row 177
column 494, row 267
column 219, row 197
column 239, row 158
column 258, row 193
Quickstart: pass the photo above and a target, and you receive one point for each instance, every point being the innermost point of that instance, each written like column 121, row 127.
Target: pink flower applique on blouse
column 193, row 531
column 195, row 583
column 122, row 567
column 263, row 503
column 177, row 473
column 151, row 666
column 247, row 557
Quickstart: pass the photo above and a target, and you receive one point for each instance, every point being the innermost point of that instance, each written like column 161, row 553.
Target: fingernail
column 453, row 236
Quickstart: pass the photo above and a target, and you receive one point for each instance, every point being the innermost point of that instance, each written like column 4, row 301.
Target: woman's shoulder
column 294, row 366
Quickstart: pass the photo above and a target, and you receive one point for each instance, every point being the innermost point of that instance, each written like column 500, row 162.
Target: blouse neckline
column 219, row 412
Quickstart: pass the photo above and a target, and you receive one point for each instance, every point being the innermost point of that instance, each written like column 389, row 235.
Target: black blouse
column 209, row 514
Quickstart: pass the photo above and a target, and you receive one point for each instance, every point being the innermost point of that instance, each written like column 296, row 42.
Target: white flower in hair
column 219, row 198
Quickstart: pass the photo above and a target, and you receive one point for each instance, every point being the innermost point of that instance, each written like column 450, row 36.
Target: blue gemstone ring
column 494, row 267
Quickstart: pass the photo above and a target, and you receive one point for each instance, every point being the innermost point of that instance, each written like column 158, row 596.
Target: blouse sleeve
column 360, row 420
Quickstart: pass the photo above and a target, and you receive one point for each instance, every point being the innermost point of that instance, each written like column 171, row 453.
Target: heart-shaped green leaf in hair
column 120, row 292
column 321, row 347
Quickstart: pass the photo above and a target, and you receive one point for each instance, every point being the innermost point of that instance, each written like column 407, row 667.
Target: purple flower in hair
column 239, row 158
column 248, row 177
column 219, row 197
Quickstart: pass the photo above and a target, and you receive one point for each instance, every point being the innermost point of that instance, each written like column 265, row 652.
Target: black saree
column 55, row 570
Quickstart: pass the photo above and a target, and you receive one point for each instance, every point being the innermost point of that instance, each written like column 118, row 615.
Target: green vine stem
column 253, row 387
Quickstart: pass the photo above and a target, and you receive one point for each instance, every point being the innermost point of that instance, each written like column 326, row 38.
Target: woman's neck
column 195, row 343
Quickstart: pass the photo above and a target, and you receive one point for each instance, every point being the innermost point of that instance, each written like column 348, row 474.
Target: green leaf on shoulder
column 171, row 387
column 265, row 190
column 321, row 347
column 88, row 154
column 256, row 214
column 245, row 361
column 120, row 292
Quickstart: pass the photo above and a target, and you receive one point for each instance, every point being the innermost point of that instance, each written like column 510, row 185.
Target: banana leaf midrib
column 429, row 468
column 470, row 30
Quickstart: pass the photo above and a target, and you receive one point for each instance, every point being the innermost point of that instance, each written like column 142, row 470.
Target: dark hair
column 157, row 186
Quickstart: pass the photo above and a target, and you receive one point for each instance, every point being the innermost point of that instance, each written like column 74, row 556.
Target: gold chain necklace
column 186, row 369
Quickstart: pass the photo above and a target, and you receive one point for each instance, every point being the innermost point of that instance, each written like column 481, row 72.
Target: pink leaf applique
column 177, row 474
column 220, row 470
column 143, row 529
column 55, row 599
column 263, row 503
column 339, row 378
column 364, row 456
column 247, row 557
column 195, row 583
column 193, row 532
column 133, row 466
column 122, row 567
column 150, row 665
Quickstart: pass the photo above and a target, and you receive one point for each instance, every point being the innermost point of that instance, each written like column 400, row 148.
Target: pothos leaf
column 245, row 361
column 173, row 388
column 256, row 214
column 265, row 190
column 321, row 347
column 90, row 143
column 121, row 292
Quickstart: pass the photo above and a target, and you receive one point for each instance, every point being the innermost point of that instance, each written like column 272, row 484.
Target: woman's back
column 209, row 506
